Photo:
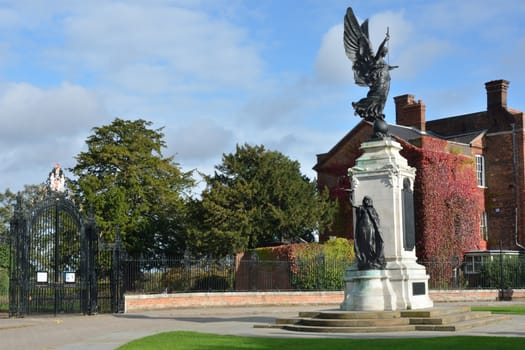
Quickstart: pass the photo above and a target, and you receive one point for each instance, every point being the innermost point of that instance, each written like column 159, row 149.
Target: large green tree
column 256, row 196
column 130, row 185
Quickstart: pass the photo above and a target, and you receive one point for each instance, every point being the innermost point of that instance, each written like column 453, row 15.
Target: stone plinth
column 368, row 290
column 384, row 175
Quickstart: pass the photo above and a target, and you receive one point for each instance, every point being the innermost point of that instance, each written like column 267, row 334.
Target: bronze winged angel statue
column 369, row 70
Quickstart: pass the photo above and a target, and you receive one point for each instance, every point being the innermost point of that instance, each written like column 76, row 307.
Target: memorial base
column 383, row 175
column 368, row 290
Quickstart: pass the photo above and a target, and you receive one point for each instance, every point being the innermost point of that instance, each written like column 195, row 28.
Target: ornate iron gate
column 49, row 265
column 52, row 265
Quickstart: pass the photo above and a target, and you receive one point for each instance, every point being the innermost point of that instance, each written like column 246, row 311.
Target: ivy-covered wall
column 448, row 203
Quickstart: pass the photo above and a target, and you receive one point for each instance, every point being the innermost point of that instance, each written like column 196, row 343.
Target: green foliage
column 198, row 277
column 4, row 281
column 4, row 256
column 256, row 197
column 316, row 266
column 131, row 185
column 7, row 201
column 272, row 253
column 508, row 274
column 4, row 290
column 339, row 248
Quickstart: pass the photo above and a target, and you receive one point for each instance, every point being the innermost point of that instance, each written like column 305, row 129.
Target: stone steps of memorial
column 436, row 319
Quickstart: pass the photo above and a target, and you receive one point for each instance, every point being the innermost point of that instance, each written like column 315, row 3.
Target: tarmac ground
column 108, row 331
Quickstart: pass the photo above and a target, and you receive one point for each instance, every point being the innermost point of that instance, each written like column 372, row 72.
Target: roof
column 466, row 138
column 406, row 133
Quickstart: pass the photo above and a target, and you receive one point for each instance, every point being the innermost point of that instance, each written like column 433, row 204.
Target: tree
column 256, row 197
column 7, row 200
column 130, row 185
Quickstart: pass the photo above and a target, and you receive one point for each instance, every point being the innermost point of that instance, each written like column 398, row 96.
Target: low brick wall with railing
column 138, row 303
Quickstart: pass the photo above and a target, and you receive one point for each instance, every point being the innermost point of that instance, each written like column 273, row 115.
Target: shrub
column 175, row 279
column 4, row 289
column 322, row 266
column 513, row 273
column 198, row 276
column 212, row 282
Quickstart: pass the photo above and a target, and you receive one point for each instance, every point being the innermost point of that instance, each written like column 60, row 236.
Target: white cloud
column 41, row 127
column 332, row 66
column 182, row 44
column 27, row 111
column 200, row 140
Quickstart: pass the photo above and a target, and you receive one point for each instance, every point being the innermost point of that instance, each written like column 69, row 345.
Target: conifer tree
column 131, row 185
column 257, row 197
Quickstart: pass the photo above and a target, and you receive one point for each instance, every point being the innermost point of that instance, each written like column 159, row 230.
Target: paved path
column 105, row 332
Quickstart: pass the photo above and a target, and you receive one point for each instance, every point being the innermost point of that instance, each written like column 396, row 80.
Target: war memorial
column 385, row 275
column 385, row 289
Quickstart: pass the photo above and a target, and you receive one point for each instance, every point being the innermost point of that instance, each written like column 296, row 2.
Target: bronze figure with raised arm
column 369, row 70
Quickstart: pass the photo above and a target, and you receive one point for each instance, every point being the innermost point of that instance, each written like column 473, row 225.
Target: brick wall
column 134, row 303
column 499, row 195
column 137, row 303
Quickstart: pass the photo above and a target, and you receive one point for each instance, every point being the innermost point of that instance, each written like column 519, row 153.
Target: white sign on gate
column 41, row 277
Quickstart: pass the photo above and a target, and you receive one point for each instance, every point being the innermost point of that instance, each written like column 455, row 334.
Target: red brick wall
column 499, row 195
column 137, row 303
column 134, row 303
column 260, row 276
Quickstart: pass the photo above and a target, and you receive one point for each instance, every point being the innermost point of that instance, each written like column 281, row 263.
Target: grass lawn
column 507, row 309
column 203, row 341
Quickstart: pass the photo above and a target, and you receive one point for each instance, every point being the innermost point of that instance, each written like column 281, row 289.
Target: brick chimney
column 409, row 112
column 497, row 94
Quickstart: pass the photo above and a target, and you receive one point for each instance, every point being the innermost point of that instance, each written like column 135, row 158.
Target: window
column 473, row 264
column 483, row 227
column 480, row 170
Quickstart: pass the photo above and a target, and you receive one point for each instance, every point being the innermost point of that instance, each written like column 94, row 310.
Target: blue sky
column 216, row 73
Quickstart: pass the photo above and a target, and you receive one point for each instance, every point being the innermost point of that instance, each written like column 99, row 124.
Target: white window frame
column 483, row 226
column 480, row 170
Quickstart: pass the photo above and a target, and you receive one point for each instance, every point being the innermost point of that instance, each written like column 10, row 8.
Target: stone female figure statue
column 368, row 241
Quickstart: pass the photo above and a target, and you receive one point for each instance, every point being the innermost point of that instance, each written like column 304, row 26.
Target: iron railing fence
column 4, row 299
column 152, row 276
column 445, row 275
column 185, row 275
column 4, row 290
column 144, row 276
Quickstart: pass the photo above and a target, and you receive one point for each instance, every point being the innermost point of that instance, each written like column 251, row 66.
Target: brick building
column 493, row 139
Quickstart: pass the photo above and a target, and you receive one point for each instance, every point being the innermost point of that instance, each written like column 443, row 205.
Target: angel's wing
column 357, row 47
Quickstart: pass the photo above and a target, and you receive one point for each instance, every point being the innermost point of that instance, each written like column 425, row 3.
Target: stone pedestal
column 368, row 290
column 384, row 175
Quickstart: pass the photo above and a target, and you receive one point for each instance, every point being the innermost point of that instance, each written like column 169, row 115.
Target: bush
column 198, row 276
column 175, row 279
column 322, row 266
column 212, row 282
column 513, row 273
column 4, row 256
column 4, row 289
